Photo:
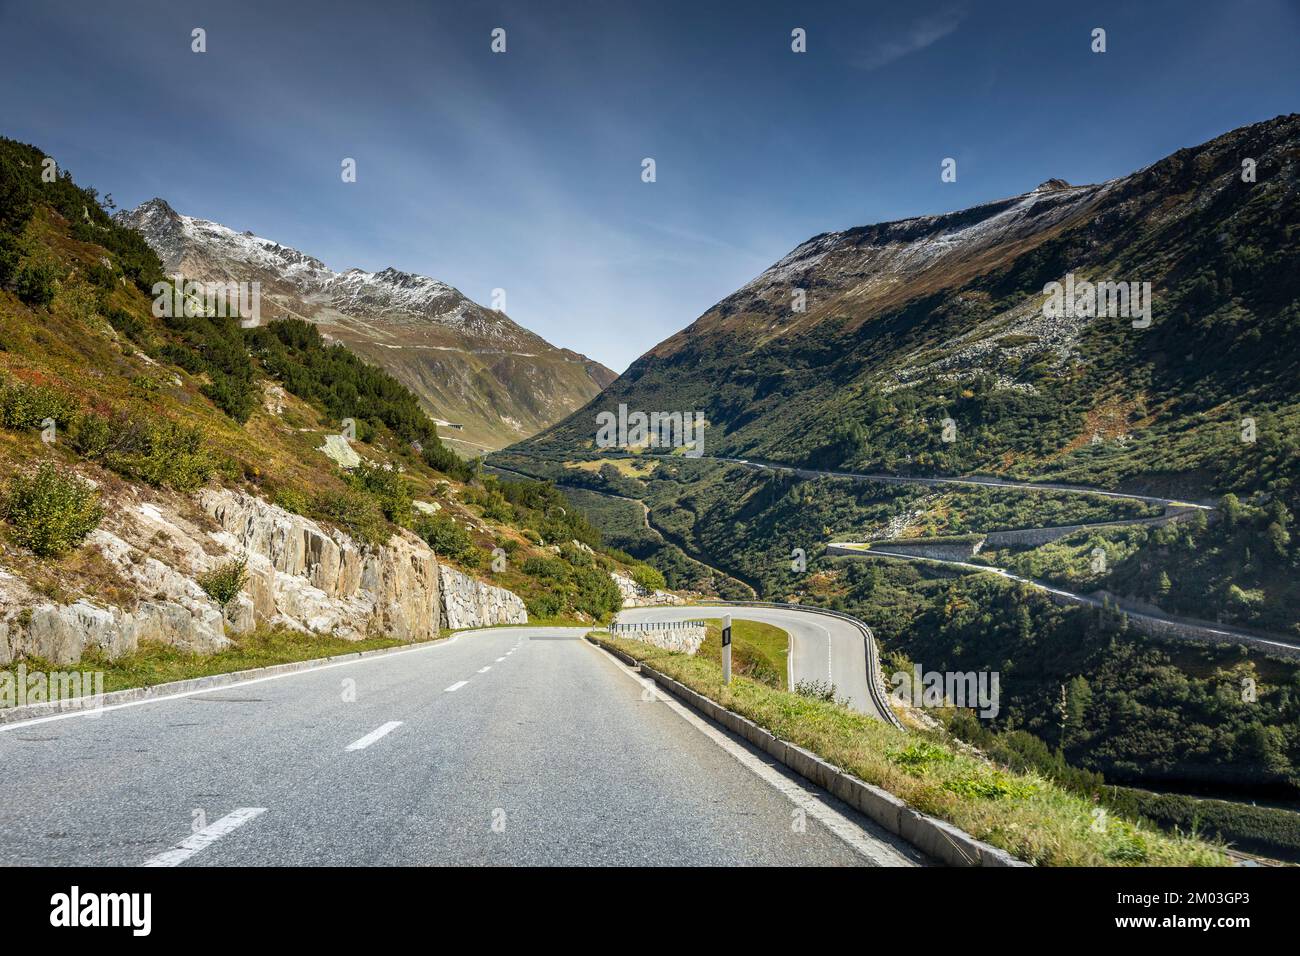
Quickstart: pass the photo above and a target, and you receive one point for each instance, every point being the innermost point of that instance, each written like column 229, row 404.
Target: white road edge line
column 205, row 837
column 92, row 714
column 374, row 735
column 455, row 687
column 801, row 796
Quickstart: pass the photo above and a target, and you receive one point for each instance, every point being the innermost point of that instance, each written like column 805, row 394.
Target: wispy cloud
column 919, row 34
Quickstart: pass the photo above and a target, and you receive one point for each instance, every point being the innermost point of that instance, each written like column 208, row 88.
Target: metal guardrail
column 875, row 677
column 643, row 626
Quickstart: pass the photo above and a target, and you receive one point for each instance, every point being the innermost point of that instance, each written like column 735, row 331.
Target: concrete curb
column 936, row 838
column 13, row 715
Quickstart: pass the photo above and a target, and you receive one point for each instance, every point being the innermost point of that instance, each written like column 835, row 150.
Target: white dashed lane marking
column 205, row 837
column 374, row 735
column 456, row 686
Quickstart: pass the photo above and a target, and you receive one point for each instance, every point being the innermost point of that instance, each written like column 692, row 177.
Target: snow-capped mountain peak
column 471, row 365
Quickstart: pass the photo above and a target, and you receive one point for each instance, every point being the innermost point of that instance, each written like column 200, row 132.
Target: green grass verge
column 161, row 663
column 1023, row 813
column 758, row 651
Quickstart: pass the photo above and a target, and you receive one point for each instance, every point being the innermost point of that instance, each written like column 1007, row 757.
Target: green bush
column 51, row 510
column 224, row 582
column 162, row 453
column 91, row 435
column 291, row 499
column 597, row 594
column 548, row 569
column 23, row 405
column 651, row 579
column 544, row 605
column 36, row 282
column 358, row 514
column 387, row 487
column 447, row 538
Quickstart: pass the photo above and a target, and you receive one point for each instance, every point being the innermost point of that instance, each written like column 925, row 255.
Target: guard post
column 726, row 648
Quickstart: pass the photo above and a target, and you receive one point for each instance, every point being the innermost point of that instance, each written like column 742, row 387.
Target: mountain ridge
column 468, row 364
column 903, row 319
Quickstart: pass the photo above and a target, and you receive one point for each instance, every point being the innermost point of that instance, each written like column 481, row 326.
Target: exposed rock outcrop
column 636, row 596
column 302, row 576
column 299, row 575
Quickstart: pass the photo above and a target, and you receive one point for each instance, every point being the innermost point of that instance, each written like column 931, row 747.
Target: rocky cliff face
column 300, row 575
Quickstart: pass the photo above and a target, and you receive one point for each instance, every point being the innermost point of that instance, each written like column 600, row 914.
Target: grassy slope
column 758, row 651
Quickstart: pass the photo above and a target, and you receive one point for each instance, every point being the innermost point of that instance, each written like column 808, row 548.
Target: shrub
column 544, row 605
column 36, row 282
column 91, row 435
column 291, row 499
column 496, row 508
column 160, row 452
column 446, row 537
column 651, row 579
column 548, row 569
column 358, row 514
column 387, row 487
column 815, row 689
column 24, row 405
column 51, row 510
column 597, row 594
column 224, row 582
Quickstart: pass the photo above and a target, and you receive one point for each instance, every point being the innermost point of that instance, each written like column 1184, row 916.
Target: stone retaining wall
column 682, row 636
column 467, row 602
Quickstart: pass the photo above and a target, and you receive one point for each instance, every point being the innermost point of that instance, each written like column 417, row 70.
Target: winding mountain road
column 822, row 647
column 508, row 746
column 977, row 481
column 1193, row 629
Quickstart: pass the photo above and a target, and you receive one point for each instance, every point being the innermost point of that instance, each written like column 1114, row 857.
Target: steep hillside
column 488, row 379
column 942, row 317
column 186, row 483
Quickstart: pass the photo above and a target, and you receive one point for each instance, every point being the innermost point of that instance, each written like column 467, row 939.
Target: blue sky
column 523, row 170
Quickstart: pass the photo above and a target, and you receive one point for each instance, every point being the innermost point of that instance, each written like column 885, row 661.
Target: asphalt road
column 822, row 647
column 506, row 746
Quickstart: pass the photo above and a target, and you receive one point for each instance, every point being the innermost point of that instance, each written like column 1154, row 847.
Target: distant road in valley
column 976, row 481
column 1209, row 631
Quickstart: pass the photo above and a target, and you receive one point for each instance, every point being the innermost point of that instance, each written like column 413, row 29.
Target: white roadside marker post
column 726, row 648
